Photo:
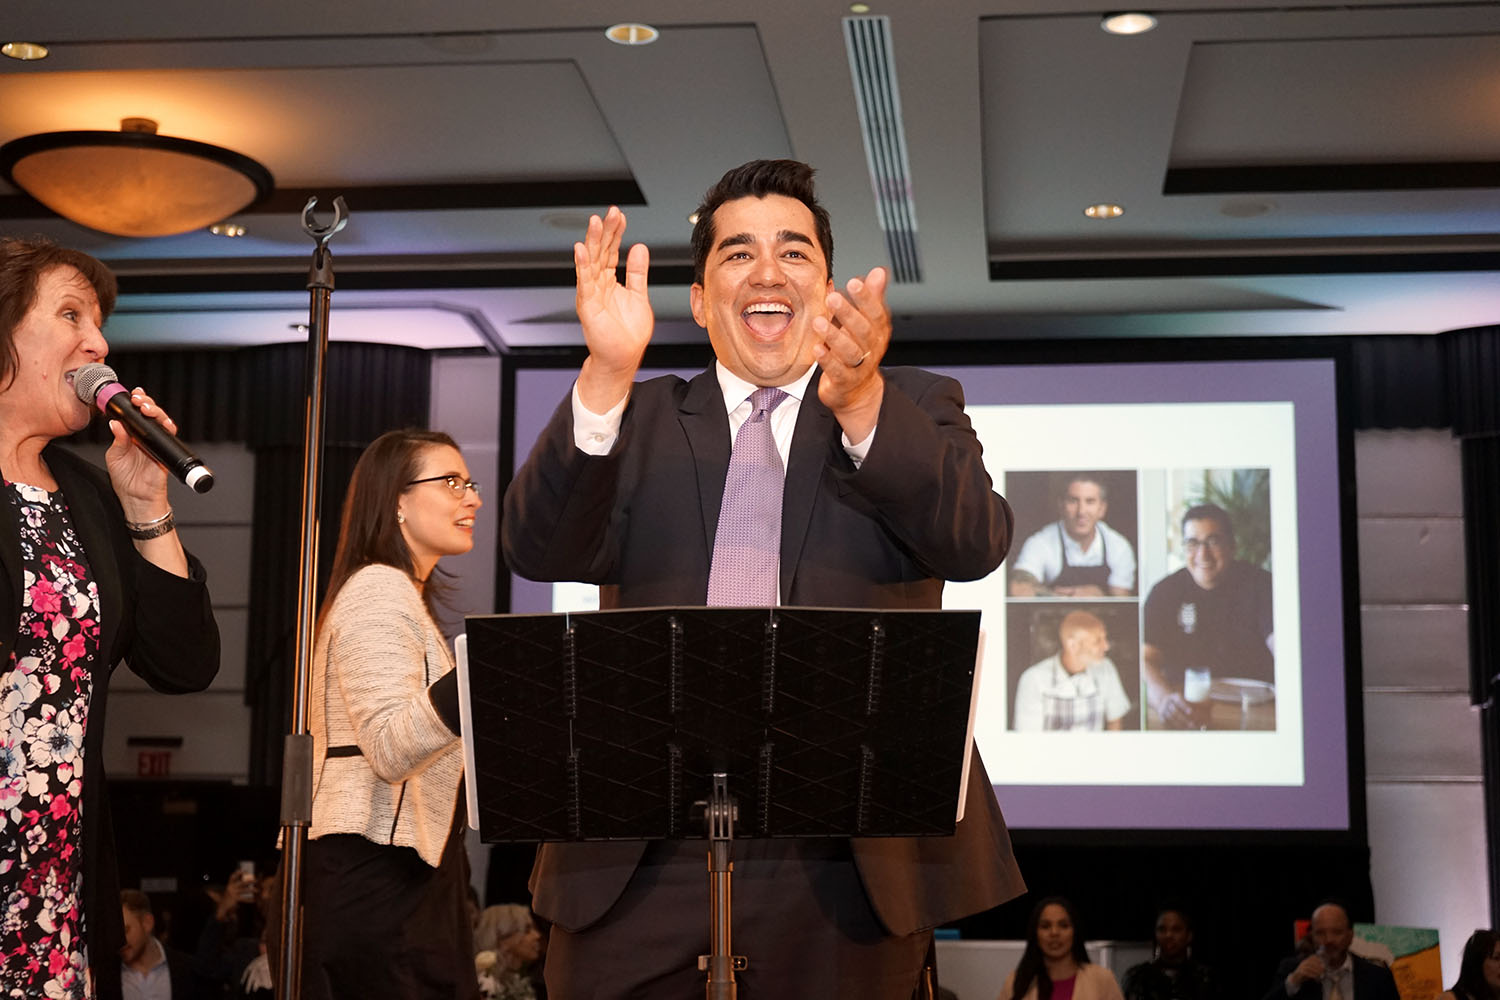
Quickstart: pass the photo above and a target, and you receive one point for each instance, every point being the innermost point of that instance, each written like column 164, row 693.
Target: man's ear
column 148, row 921
column 695, row 302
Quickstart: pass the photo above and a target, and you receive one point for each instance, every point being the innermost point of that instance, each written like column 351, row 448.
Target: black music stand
column 673, row 723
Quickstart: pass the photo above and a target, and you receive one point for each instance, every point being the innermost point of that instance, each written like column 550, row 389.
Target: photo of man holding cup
column 1209, row 627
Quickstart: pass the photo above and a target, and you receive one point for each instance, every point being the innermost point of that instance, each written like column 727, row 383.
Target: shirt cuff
column 594, row 433
column 856, row 452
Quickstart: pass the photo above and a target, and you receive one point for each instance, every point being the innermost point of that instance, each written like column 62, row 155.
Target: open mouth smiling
column 767, row 319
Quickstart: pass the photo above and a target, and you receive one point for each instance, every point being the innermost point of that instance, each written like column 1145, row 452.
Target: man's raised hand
column 855, row 336
column 617, row 319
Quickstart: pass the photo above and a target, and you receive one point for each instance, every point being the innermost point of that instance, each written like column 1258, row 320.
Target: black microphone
column 97, row 385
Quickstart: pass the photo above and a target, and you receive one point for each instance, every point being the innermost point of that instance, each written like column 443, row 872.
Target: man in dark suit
column 884, row 497
column 1332, row 972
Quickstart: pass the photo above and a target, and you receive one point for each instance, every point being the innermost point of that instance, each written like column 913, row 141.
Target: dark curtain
column 1398, row 382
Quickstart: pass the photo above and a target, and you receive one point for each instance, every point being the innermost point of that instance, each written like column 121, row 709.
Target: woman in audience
column 509, row 942
column 1173, row 974
column 385, row 874
column 1055, row 965
column 1479, row 971
column 92, row 568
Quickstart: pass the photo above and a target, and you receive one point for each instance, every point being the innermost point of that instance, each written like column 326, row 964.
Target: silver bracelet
column 145, row 530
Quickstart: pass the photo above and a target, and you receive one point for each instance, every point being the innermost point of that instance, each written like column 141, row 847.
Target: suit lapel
column 706, row 426
column 811, row 441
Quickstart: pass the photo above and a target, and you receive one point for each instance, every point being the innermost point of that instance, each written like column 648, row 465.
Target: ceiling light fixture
column 859, row 8
column 24, row 51
column 1130, row 23
column 631, row 33
column 134, row 182
column 1104, row 210
column 693, row 218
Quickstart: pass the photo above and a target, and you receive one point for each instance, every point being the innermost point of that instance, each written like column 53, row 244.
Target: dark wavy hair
column 22, row 264
column 757, row 179
column 368, row 531
column 1470, row 984
column 1033, row 967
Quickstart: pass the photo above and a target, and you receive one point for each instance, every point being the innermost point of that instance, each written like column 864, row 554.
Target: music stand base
column 720, row 813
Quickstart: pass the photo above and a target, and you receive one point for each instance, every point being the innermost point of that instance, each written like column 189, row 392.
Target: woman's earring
column 400, row 517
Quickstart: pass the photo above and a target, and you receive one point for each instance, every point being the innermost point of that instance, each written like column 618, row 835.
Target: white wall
column 1424, row 783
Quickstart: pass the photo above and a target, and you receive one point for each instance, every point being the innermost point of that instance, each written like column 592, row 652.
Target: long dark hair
column 1033, row 966
column 368, row 530
column 1470, row 983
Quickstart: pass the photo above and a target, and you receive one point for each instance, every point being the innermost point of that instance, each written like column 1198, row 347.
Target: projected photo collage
column 1140, row 600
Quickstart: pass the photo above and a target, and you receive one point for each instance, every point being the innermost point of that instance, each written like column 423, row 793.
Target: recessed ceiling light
column 1132, row 23
column 569, row 222
column 228, row 229
column 631, row 33
column 297, row 328
column 25, row 51
column 1104, row 210
column 693, row 218
column 859, row 8
column 1246, row 208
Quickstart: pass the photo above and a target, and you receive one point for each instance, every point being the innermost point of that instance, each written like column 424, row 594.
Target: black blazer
column 641, row 522
column 1372, row 981
column 163, row 623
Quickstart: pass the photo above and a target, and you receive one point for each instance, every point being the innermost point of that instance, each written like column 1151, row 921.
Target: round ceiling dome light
column 1128, row 23
column 134, row 182
column 631, row 33
column 1104, row 210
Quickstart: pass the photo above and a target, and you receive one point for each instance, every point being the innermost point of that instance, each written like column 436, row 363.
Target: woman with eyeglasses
column 385, row 876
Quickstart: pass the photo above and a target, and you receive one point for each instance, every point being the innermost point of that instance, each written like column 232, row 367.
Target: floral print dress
column 44, row 704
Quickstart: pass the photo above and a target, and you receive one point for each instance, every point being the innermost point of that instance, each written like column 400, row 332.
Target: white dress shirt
column 595, row 433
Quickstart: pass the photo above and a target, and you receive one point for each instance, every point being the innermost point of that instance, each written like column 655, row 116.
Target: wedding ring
column 861, row 360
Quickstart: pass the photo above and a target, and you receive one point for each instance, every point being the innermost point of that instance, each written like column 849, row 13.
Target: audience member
column 149, row 970
column 509, row 945
column 1078, row 555
column 1479, row 970
column 232, row 940
column 1332, row 971
column 1054, row 963
column 1078, row 687
column 1173, row 973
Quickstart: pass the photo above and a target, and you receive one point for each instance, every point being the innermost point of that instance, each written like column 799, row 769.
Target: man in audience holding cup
column 1332, row 972
column 1209, row 620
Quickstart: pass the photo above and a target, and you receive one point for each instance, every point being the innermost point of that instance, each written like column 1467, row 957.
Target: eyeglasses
column 1214, row 543
column 458, row 487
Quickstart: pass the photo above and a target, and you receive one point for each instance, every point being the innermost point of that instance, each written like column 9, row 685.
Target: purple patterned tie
column 748, row 540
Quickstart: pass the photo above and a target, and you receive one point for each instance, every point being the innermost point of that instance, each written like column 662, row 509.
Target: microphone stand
column 297, row 762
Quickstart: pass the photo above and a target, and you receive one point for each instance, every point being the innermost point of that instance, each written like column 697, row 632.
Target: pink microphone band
column 107, row 393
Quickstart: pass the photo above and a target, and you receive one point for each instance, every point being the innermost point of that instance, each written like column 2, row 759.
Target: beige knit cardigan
column 394, row 774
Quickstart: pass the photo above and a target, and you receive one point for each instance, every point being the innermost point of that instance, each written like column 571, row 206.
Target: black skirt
column 380, row 922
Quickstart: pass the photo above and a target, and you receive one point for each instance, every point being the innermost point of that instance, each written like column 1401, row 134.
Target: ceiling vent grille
column 872, row 66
